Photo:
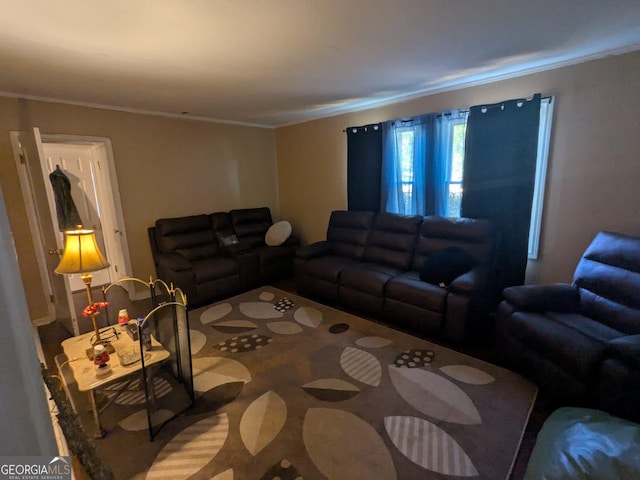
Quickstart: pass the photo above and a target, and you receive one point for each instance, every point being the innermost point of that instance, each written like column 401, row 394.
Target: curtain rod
column 464, row 110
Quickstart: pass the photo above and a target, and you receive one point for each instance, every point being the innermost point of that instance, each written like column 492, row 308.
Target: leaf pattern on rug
column 429, row 446
column 308, row 316
column 259, row 310
column 211, row 372
column 331, row 389
column 133, row 394
column 215, row 313
column 137, row 422
column 434, row 395
column 191, row 449
column 414, row 358
column 243, row 343
column 373, row 342
column 338, row 442
column 235, row 326
column 467, row 374
column 284, row 328
column 361, row 366
column 226, row 475
column 262, row 421
column 197, row 340
column 283, row 470
column 267, row 296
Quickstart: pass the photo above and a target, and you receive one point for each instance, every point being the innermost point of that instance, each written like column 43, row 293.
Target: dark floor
column 51, row 335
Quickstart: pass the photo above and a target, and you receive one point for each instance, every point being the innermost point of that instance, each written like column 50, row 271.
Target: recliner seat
column 581, row 342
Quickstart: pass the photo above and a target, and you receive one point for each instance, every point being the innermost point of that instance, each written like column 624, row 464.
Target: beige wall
column 594, row 164
column 171, row 167
column 165, row 167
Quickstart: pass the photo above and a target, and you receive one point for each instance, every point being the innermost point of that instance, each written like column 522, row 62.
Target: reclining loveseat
column 581, row 342
column 431, row 275
column 214, row 256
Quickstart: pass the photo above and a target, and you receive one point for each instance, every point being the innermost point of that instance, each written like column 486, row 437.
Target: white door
column 88, row 163
column 28, row 149
column 78, row 164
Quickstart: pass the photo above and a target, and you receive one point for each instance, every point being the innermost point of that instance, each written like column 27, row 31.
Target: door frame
column 107, row 182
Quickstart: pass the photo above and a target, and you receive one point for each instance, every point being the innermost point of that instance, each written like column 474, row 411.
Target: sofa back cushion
column 251, row 225
column 470, row 234
column 608, row 278
column 348, row 231
column 392, row 240
column 221, row 224
column 190, row 236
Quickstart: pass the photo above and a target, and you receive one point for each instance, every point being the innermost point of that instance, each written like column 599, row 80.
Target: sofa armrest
column 173, row 261
column 542, row 298
column 312, row 250
column 470, row 282
column 292, row 241
column 626, row 348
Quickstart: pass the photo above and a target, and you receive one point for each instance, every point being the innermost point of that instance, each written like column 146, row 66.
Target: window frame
column 544, row 141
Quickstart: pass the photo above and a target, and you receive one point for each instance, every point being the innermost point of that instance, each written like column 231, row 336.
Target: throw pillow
column 444, row 266
column 278, row 233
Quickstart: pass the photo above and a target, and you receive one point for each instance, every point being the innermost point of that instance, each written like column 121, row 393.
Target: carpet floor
column 320, row 396
column 289, row 388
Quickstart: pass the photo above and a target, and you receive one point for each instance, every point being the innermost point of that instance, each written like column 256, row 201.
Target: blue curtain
column 499, row 174
column 425, row 191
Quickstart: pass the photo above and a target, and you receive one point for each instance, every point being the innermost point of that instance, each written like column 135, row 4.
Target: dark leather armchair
column 581, row 342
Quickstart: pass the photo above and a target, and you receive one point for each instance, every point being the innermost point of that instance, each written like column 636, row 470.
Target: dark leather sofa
column 371, row 263
column 191, row 253
column 581, row 342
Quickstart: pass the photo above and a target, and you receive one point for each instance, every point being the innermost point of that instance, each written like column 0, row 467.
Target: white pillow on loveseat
column 278, row 233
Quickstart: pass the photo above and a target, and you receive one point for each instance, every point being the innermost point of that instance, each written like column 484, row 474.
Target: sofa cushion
column 367, row 277
column 251, row 225
column 608, row 277
column 408, row 288
column 214, row 268
column 271, row 255
column 198, row 252
column 278, row 233
column 445, row 265
column 348, row 232
column 571, row 340
column 392, row 239
column 471, row 234
column 326, row 268
column 183, row 232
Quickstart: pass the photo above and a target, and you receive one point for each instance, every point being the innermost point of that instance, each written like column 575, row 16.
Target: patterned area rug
column 288, row 388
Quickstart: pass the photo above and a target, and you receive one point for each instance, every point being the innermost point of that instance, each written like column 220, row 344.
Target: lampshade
column 81, row 253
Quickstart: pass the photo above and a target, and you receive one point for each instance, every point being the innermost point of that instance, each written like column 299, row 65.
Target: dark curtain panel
column 499, row 173
column 364, row 165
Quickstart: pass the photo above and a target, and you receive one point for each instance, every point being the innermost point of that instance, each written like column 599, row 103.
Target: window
column 544, row 137
column 405, row 138
column 451, row 135
column 456, row 167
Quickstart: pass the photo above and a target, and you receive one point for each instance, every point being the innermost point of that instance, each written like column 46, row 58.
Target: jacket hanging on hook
column 68, row 216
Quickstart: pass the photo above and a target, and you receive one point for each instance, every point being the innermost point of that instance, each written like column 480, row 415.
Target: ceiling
column 279, row 62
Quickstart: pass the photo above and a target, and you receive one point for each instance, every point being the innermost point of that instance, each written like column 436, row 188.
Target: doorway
column 88, row 164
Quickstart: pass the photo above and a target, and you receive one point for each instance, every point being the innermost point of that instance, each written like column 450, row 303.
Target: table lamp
column 82, row 255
